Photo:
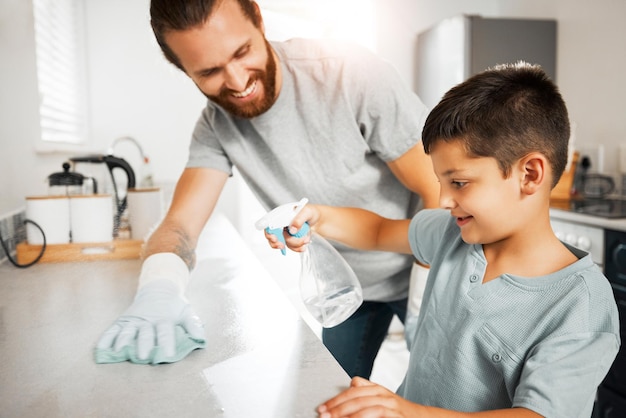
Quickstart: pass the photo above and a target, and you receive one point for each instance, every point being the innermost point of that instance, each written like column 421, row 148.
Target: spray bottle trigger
column 278, row 232
column 303, row 231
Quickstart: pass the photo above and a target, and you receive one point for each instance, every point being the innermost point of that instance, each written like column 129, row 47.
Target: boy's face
column 230, row 61
column 484, row 203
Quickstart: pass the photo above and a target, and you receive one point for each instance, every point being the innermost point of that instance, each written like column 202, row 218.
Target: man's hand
column 159, row 326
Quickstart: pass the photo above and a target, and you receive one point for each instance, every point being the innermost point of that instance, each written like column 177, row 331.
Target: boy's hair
column 179, row 15
column 505, row 112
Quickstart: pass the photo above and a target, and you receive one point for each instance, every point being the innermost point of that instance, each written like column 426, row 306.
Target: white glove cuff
column 165, row 266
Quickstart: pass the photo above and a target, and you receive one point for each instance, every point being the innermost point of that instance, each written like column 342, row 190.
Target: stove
column 605, row 208
column 611, row 396
column 585, row 237
column 607, row 247
column 608, row 250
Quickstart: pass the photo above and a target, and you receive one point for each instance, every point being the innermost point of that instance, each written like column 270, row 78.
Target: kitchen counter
column 617, row 224
column 262, row 360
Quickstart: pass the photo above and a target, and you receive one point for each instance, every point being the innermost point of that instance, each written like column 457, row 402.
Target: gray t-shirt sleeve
column 205, row 149
column 390, row 115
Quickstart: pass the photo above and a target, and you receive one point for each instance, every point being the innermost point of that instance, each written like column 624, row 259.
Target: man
column 298, row 118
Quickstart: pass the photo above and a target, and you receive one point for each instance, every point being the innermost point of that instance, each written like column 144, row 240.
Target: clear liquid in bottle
column 330, row 290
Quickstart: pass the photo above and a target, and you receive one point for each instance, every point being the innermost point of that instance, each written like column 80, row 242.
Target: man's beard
column 267, row 78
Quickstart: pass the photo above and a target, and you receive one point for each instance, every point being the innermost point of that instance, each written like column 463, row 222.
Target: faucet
column 146, row 172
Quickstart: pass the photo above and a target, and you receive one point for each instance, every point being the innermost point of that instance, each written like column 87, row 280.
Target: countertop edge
column 589, row 220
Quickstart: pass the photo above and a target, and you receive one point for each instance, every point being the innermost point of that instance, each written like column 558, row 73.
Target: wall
column 591, row 55
column 135, row 92
column 22, row 171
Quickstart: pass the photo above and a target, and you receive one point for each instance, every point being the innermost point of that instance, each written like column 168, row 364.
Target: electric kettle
column 104, row 169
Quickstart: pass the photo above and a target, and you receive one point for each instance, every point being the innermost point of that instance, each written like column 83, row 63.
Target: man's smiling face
column 230, row 61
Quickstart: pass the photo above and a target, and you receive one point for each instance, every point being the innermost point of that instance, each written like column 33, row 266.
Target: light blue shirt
column 542, row 343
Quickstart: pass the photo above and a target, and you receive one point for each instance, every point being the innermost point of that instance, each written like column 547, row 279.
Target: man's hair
column 179, row 15
column 505, row 112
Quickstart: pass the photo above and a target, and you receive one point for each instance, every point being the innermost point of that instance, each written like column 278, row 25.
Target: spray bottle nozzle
column 275, row 221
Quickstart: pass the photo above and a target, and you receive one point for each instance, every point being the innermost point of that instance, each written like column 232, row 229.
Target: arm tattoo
column 184, row 249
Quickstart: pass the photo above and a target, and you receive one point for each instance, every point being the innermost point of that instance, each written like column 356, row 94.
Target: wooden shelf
column 113, row 250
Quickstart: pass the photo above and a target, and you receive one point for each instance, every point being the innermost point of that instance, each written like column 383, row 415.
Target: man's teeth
column 246, row 91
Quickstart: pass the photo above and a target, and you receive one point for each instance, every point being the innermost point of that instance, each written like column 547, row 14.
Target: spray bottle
column 329, row 287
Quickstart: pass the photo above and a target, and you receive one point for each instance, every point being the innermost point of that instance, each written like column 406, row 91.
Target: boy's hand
column 367, row 399
column 295, row 243
column 308, row 214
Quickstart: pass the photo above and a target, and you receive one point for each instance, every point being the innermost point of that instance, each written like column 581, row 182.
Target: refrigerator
column 461, row 46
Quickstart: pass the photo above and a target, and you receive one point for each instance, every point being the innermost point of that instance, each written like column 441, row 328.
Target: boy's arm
column 357, row 228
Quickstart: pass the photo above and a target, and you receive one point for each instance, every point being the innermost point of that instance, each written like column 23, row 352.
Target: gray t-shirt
column 341, row 115
column 543, row 343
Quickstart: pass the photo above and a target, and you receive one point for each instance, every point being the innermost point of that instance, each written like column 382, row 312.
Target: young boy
column 513, row 322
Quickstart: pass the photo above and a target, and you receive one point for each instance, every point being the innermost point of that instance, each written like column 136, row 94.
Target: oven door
column 615, row 380
column 611, row 397
column 615, row 256
column 609, row 404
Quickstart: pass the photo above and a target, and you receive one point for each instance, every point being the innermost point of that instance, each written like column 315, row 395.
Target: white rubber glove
column 160, row 325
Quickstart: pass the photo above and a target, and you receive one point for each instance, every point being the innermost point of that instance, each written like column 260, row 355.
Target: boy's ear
column 534, row 168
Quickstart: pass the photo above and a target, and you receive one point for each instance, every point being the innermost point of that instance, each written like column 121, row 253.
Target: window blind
column 61, row 70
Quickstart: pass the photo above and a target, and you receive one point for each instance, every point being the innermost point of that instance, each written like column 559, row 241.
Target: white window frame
column 61, row 75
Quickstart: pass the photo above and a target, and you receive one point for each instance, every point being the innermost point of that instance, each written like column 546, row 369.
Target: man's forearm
column 169, row 238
